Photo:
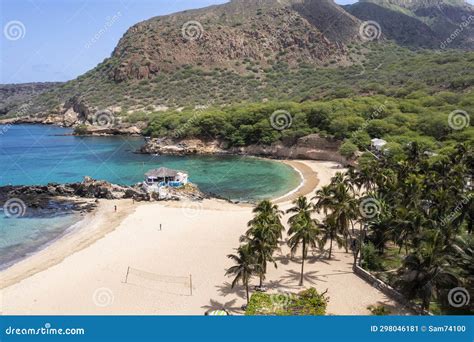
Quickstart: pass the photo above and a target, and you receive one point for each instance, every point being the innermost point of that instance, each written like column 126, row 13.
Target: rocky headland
column 84, row 118
column 83, row 196
column 312, row 147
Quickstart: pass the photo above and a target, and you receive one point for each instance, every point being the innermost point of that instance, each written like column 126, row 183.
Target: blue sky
column 57, row 40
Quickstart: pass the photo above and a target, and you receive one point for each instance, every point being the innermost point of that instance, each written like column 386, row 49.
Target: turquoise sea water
column 20, row 237
column 36, row 154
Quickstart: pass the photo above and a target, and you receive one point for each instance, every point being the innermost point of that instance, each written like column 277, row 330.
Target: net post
column 191, row 284
column 126, row 276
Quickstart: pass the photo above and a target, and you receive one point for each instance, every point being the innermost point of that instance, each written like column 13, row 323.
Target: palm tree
column 246, row 267
column 339, row 199
column 303, row 230
column 366, row 176
column 426, row 272
column 262, row 241
column 329, row 231
column 323, row 199
column 302, row 207
column 351, row 178
column 379, row 233
column 407, row 227
column 266, row 209
column 265, row 231
column 268, row 214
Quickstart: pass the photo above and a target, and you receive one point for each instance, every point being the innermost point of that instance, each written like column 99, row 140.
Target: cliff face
column 311, row 147
column 227, row 36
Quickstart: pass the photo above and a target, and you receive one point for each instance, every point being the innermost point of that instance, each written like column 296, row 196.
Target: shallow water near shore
column 20, row 237
column 38, row 155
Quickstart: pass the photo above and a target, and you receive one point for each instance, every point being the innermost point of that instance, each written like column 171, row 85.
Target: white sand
column 85, row 272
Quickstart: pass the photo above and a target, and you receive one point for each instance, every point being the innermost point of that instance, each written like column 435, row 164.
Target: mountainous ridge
column 411, row 4
column 260, row 50
column 426, row 24
column 262, row 31
column 14, row 95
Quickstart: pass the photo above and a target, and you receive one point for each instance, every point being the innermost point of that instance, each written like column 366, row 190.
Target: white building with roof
column 164, row 177
column 378, row 144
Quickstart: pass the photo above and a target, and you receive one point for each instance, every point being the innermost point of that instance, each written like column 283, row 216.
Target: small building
column 165, row 177
column 378, row 144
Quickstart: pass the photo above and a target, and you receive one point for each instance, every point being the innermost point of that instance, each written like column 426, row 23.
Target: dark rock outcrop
column 70, row 196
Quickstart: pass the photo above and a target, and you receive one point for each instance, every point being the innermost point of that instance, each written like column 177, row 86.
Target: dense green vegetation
column 416, row 117
column 409, row 101
column 306, row 303
column 418, row 215
column 407, row 216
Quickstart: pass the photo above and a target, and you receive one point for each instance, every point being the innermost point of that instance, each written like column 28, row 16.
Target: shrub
column 370, row 258
column 260, row 304
column 379, row 310
column 306, row 303
column 310, row 303
column 81, row 130
column 348, row 149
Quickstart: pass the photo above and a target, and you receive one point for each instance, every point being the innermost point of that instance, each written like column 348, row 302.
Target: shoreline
column 170, row 242
column 162, row 244
column 309, row 181
column 88, row 230
column 70, row 229
column 75, row 238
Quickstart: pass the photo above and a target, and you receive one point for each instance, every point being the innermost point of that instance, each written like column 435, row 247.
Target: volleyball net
column 178, row 285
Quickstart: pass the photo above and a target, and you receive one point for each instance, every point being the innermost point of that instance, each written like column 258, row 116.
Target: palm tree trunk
column 262, row 273
column 247, row 291
column 330, row 248
column 302, row 263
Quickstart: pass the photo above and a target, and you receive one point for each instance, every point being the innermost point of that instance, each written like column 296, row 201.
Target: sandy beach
column 123, row 263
